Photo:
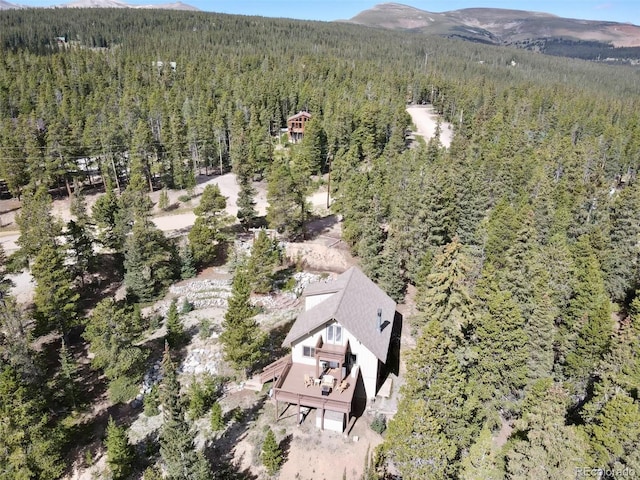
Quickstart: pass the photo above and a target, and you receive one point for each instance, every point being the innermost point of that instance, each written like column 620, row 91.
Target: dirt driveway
column 426, row 120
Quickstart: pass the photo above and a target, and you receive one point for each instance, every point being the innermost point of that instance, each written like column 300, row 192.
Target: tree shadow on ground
column 104, row 283
column 273, row 345
column 285, row 447
column 319, row 226
column 220, row 453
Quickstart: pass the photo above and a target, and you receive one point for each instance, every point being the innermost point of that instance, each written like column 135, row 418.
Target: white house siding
column 313, row 300
column 367, row 361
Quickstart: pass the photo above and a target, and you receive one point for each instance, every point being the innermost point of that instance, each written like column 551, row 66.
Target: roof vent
column 379, row 320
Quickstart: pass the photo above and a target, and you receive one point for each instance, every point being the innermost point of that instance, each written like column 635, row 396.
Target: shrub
column 184, row 198
column 152, row 473
column 217, row 422
column 237, row 414
column 187, row 306
column 152, row 402
column 122, row 389
column 163, row 201
column 204, row 328
column 202, row 396
column 379, row 424
column 289, row 285
column 197, row 400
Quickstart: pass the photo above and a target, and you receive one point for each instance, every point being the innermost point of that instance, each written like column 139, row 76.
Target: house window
column 308, row 352
column 353, row 359
column 334, row 334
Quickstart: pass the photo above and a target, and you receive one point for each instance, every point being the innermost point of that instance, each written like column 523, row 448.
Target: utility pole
column 329, row 181
column 220, row 152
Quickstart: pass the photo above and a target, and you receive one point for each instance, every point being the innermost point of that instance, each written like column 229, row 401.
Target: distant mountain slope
column 120, row 4
column 6, row 5
column 500, row 26
column 170, row 6
column 95, row 4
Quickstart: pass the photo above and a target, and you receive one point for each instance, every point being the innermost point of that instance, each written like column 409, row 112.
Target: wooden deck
column 290, row 388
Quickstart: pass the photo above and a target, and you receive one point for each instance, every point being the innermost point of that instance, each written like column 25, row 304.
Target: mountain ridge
column 4, row 5
column 498, row 26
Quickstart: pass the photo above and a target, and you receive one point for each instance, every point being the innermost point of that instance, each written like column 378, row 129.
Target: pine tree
column 520, row 260
column 5, row 283
column 502, row 227
column 610, row 417
column 500, row 344
column 151, row 262
column 482, row 462
column 271, row 454
column 187, row 262
column 416, row 443
column 177, row 448
column 175, row 330
column 546, row 447
column 389, row 275
column 217, row 422
column 135, row 198
column 106, row 214
column 239, row 146
column 246, row 202
column 37, row 226
column 446, row 298
column 78, row 204
column 287, row 186
column 207, row 237
column 112, row 336
column 588, row 325
column 13, row 166
column 621, row 262
column 30, row 444
column 264, row 258
column 615, row 430
column 119, row 453
column 55, row 300
column 68, row 376
column 541, row 330
column 312, row 149
column 80, row 243
column 370, row 244
column 241, row 336
column 438, row 414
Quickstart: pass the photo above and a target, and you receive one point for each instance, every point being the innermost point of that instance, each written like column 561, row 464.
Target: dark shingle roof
column 354, row 304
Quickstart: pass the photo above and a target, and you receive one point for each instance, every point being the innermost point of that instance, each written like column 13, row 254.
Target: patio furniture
column 316, row 382
column 308, row 381
column 343, row 386
column 326, row 390
column 328, row 380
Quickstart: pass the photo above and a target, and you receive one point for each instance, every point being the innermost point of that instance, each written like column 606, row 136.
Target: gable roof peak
column 354, row 302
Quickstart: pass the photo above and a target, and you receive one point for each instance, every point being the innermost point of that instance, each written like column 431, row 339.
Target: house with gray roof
column 340, row 346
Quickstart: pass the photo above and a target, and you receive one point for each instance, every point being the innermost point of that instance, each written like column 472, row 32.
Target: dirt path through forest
column 182, row 220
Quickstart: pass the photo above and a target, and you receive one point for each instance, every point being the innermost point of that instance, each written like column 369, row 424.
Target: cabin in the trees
column 343, row 347
column 295, row 126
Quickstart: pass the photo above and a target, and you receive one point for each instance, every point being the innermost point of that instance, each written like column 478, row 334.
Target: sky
column 625, row 11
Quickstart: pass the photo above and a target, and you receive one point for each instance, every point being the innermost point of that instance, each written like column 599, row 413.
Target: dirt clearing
column 426, row 121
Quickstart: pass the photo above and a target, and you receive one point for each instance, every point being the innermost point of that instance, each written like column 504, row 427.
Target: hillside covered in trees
column 521, row 239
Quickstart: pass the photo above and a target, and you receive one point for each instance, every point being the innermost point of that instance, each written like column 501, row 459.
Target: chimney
column 379, row 320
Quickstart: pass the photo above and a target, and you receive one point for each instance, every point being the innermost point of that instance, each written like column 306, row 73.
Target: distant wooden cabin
column 295, row 126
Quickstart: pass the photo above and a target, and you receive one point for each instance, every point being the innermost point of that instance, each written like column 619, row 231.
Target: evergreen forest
column 517, row 246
